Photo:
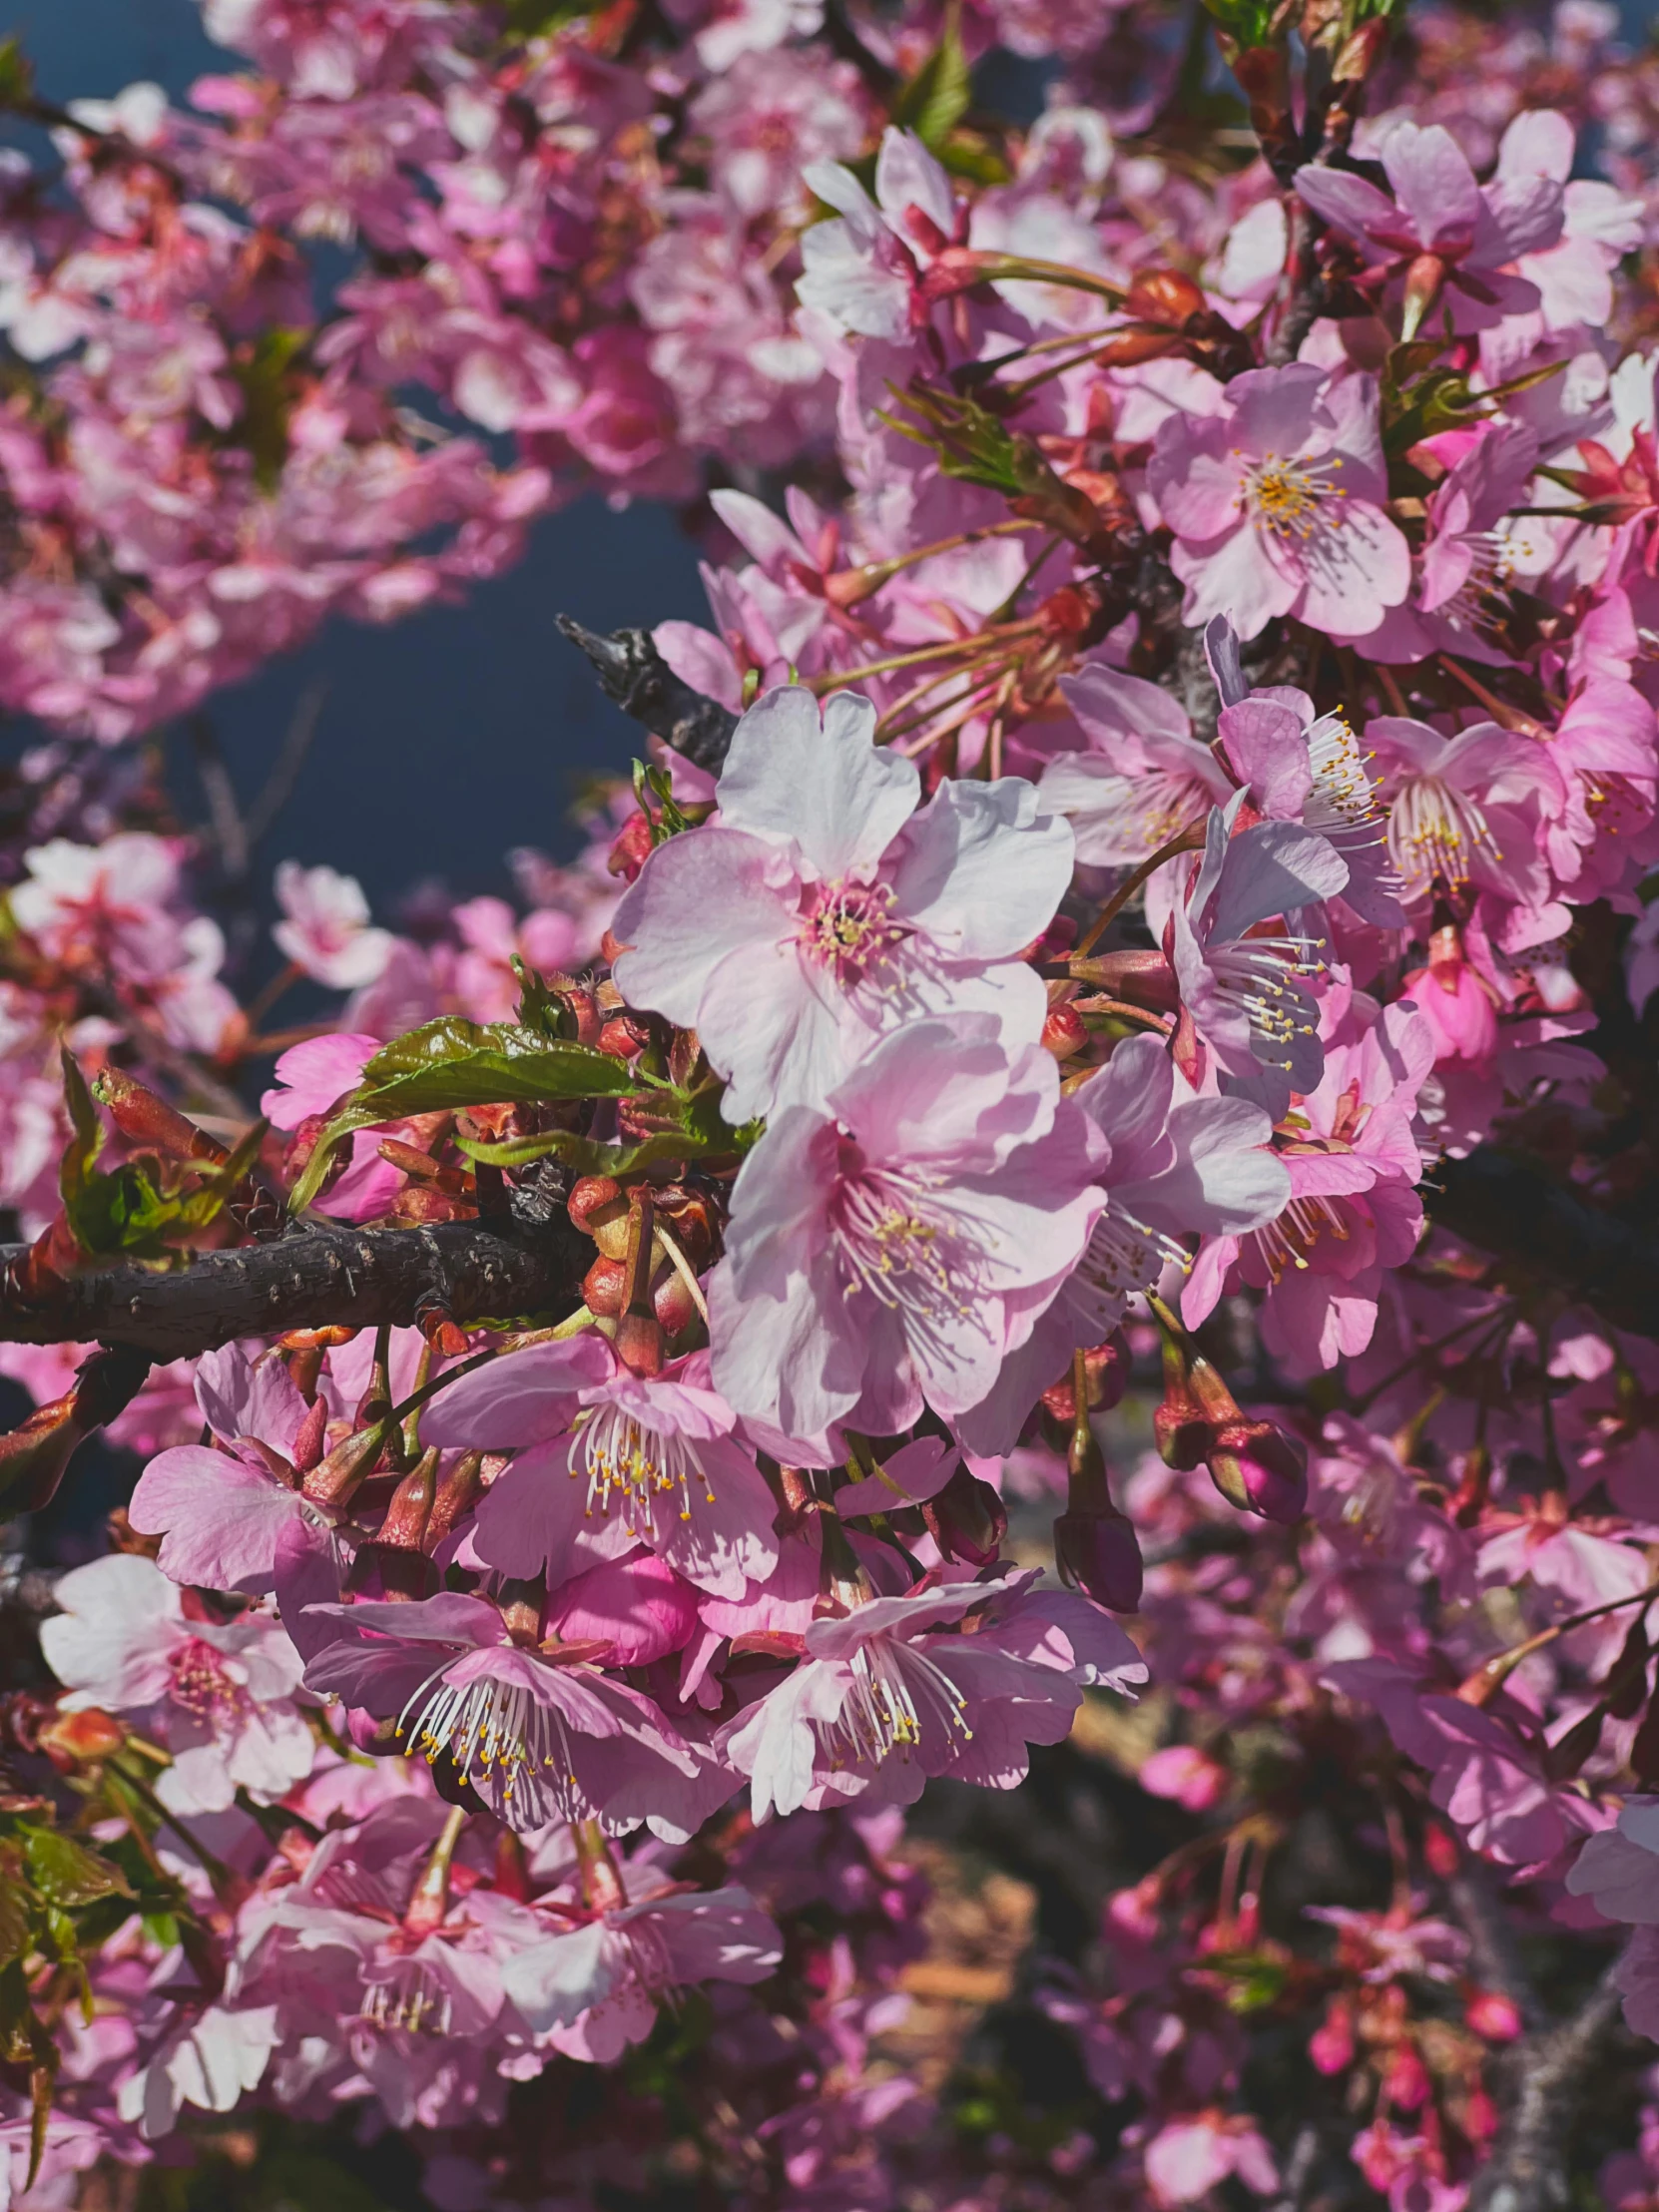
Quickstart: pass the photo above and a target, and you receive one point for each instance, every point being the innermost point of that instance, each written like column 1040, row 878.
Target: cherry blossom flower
column 1245, row 991
column 325, row 929
column 1276, row 504
column 613, row 1459
column 894, row 1249
column 218, row 1696
column 1439, row 216
column 825, row 908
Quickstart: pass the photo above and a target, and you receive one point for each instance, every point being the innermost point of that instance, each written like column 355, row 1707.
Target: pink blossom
column 894, row 1249
column 594, row 1988
column 823, row 909
column 1438, row 213
column 1187, row 2159
column 220, row 1697
column 1276, row 504
column 325, row 930
column 1141, row 778
column 1352, row 1213
column 613, row 1459
column 1243, row 990
column 539, row 1739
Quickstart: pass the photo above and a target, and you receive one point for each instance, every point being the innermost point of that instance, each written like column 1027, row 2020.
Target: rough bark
column 312, row 1278
column 1531, row 2167
column 643, row 685
column 1513, row 1210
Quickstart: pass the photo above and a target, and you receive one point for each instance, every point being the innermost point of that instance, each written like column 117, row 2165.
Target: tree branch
column 1529, row 2169
column 1521, row 1217
column 316, row 1277
column 643, row 685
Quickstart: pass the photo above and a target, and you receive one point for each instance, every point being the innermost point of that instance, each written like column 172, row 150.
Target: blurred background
column 488, row 681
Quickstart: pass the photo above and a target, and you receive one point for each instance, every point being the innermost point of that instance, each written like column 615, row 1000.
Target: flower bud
column 1494, row 2017
column 1164, row 295
column 967, row 1519
column 339, row 1473
column 1105, row 1377
column 605, row 1287
column 1259, row 1468
column 1424, row 279
column 454, row 1494
column 623, row 1036
column 1180, row 1432
column 632, row 847
column 72, row 1740
column 1097, row 1554
column 672, row 1303
column 1065, row 1032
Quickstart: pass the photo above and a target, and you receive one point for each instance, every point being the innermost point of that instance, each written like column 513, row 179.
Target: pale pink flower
column 1168, row 1167
column 1465, row 811
column 880, row 1701
column 538, row 1739
column 1245, row 990
column 824, row 908
column 1472, row 230
column 861, row 269
column 312, row 1077
column 211, row 2059
column 325, row 928
column 1141, row 778
column 224, row 1515
column 595, row 1985
column 1618, row 1870
column 772, row 113
column 614, row 1460
column 1187, row 2159
column 220, row 1697
column 891, row 1251
column 1352, row 1213
column 107, row 906
column 1276, row 504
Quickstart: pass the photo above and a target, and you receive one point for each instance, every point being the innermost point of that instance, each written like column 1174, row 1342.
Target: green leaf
column 452, row 1062
column 118, row 1213
column 268, row 391
column 14, row 1912
column 939, row 93
column 66, row 1872
column 17, row 76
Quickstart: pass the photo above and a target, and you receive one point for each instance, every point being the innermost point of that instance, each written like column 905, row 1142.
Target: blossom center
column 1255, row 976
column 898, row 1244
column 1288, row 1240
column 1435, row 831
column 500, row 1738
column 1285, row 496
column 1342, row 804
column 200, row 1683
column 893, row 1693
column 617, row 1453
column 1125, row 1253
column 847, row 928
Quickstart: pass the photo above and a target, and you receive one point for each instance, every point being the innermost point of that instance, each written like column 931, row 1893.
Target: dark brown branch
column 313, row 1278
column 643, row 685
column 1542, row 1230
column 1529, row 2169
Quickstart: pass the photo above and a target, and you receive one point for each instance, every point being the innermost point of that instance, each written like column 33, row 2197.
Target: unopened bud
column 1259, row 1468
column 1164, row 297
column 1423, row 278
column 672, row 1303
column 1181, row 1431
column 144, row 1119
column 605, row 1288
column 1064, row 1032
column 72, row 1740
column 623, row 1036
column 632, row 847
column 339, row 1473
column 967, row 1519
column 1105, row 1378
column 1097, row 1554
column 639, row 1343
column 1493, row 2016
column 455, row 1493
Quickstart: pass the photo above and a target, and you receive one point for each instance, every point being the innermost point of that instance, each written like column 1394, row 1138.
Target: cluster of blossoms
column 956, row 1245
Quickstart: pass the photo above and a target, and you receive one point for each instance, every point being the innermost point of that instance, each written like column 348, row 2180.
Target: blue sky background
column 488, row 682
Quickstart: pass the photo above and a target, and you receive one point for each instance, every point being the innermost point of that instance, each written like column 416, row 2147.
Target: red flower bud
column 1261, row 1469
column 1097, row 1554
column 605, row 1287
column 1064, row 1032
column 623, row 1036
column 632, row 849
column 1496, row 2017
